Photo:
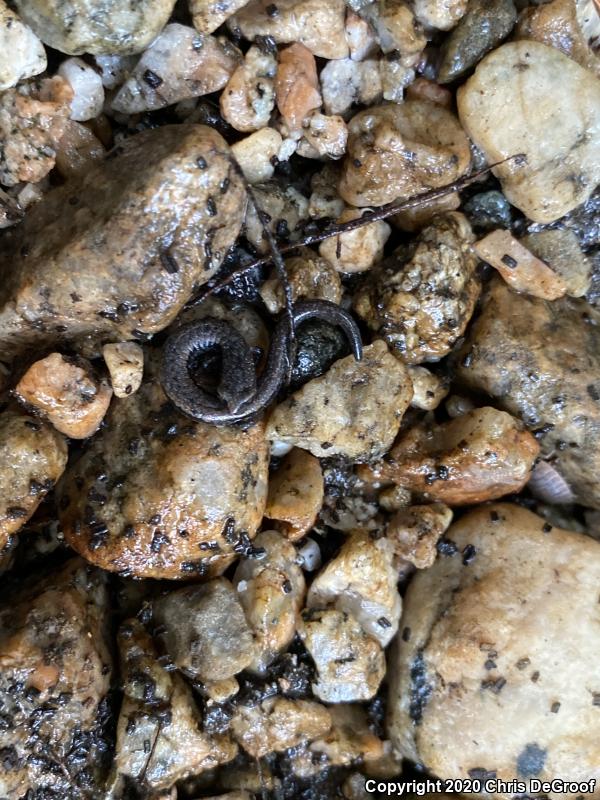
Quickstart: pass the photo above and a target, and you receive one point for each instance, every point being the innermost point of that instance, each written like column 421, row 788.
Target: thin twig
column 383, row 212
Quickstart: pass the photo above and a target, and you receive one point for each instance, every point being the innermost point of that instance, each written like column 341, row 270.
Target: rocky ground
column 394, row 570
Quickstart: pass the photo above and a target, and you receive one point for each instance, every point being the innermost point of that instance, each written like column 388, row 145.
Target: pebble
column 208, row 15
column 34, row 456
column 429, row 389
column 415, row 531
column 179, row 64
column 114, row 69
column 350, row 740
column 71, row 279
column 482, row 28
column 397, row 151
column 323, row 136
column 358, row 250
column 353, row 410
column 561, row 251
column 310, row 553
column 125, row 363
column 350, row 663
column 502, row 359
column 88, row 91
column 488, row 210
column 484, row 681
column 22, row 55
column 296, row 85
column 479, row 456
column 440, row 14
column 286, row 208
column 77, row 150
column 318, row 26
column 345, row 82
column 205, row 631
column 256, row 153
column 33, row 117
column 158, row 707
column 53, row 703
column 361, row 581
column 295, row 494
column 553, row 93
column 422, row 297
column 67, row 392
column 310, row 277
column 318, row 346
column 279, row 723
column 271, row 590
column 116, row 26
column 360, row 37
column 396, row 29
column 156, row 495
column 559, row 24
column 248, row 98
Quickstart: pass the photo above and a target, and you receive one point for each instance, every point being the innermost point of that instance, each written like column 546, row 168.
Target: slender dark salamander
column 239, row 395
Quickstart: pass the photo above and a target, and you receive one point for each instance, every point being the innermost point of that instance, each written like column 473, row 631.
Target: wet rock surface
column 123, row 206
column 539, row 360
column 33, row 457
column 354, row 409
column 485, row 652
column 421, row 298
column 55, row 668
column 180, row 499
column 562, row 170
column 22, row 53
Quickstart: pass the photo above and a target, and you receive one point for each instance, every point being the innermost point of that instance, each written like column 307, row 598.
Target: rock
column 114, row 69
column 33, row 117
column 88, row 91
column 480, row 456
column 142, row 238
column 350, row 663
column 415, row 219
column 562, row 170
column 428, row 389
column 353, row 410
column 415, row 531
column 498, row 671
column 256, row 154
column 205, row 631
column 397, row 151
column 296, row 85
column 361, row 581
column 125, row 363
column 310, row 278
column 324, row 199
column 77, row 150
column 440, row 14
column 323, row 136
column 158, row 707
column 488, row 210
column 519, row 267
column 33, row 456
column 318, row 346
column 561, row 251
column 551, row 391
column 156, row 495
column 421, row 299
column 22, row 55
column 271, row 590
column 286, row 207
column 482, row 28
column 277, row 724
column 558, row 25
column 360, row 37
column 115, row 26
column 208, row 15
column 395, row 78
column 345, row 82
column 67, row 392
column 425, row 89
column 179, row 64
column 358, row 250
column 396, row 29
column 350, row 740
column 55, row 674
column 249, row 97
column 318, row 26
column 295, row 494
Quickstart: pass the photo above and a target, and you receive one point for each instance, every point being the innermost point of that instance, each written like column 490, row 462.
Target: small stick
column 383, row 212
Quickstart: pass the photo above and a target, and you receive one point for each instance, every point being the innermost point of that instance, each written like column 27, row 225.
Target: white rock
column 88, row 91
column 358, row 250
column 179, row 64
column 125, row 362
column 344, row 82
column 115, row 69
column 554, row 120
column 21, row 52
column 256, row 154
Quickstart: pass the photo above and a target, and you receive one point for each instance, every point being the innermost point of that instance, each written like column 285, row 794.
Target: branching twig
column 383, row 212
